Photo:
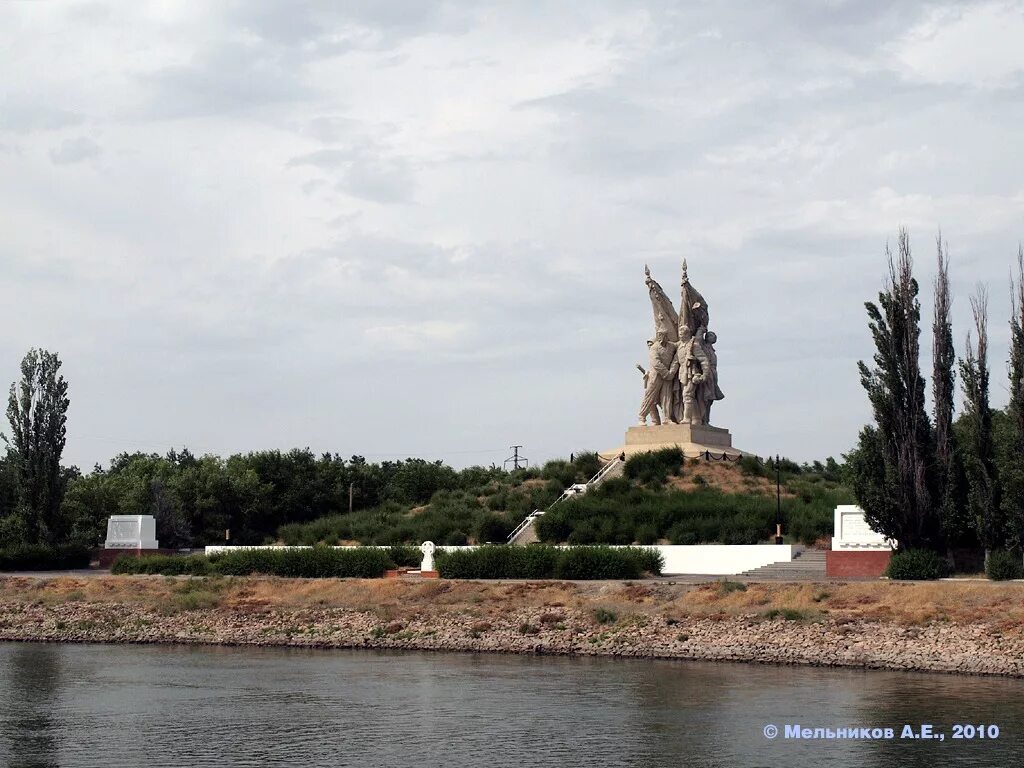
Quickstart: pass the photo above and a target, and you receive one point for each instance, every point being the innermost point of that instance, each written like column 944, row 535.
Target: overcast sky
column 420, row 228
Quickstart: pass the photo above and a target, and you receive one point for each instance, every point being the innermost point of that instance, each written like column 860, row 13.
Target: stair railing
column 595, row 480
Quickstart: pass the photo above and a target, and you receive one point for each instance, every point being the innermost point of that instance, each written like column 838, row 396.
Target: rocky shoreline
column 581, row 626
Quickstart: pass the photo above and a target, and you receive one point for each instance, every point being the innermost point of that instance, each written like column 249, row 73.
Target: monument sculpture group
column 681, row 380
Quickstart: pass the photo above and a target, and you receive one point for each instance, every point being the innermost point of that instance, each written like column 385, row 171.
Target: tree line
column 926, row 478
column 196, row 500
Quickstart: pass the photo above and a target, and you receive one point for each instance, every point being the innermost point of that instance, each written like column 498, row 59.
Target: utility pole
column 778, row 500
column 515, row 458
column 351, row 486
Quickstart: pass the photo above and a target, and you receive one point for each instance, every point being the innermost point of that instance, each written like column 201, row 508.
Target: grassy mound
column 661, row 498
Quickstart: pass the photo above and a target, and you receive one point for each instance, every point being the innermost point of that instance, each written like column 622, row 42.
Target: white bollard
column 427, row 548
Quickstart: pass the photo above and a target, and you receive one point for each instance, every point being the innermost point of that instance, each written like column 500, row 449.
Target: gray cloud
column 321, row 24
column 71, row 151
column 363, row 172
column 240, row 75
column 22, row 113
column 410, row 227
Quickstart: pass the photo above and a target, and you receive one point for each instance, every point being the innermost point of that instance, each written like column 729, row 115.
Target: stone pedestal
column 857, row 551
column 108, row 556
column 679, row 434
column 851, row 532
column 131, row 532
column 133, row 535
column 692, row 439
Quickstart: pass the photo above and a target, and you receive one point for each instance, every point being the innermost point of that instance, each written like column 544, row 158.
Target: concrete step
column 806, row 565
column 528, row 535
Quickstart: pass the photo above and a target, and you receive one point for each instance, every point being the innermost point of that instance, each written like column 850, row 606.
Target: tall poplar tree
column 983, row 488
column 893, row 468
column 1013, row 477
column 37, row 410
column 957, row 524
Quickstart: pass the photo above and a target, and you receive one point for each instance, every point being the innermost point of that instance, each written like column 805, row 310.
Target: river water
column 95, row 705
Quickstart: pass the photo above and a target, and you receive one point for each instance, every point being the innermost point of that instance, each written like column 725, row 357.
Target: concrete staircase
column 806, row 565
column 525, row 533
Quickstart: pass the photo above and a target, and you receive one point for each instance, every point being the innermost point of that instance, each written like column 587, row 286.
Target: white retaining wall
column 721, row 559
column 696, row 559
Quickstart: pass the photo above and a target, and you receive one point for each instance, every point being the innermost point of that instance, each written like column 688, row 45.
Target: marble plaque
column 851, row 530
column 131, row 532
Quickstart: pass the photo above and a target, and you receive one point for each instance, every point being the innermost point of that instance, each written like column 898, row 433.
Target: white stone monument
column 852, row 532
column 131, row 532
column 427, row 548
column 681, row 380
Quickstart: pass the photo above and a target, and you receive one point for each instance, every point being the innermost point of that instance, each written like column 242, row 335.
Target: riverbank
column 975, row 628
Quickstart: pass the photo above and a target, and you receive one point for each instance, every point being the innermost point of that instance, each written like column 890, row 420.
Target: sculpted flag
column 665, row 317
column 693, row 309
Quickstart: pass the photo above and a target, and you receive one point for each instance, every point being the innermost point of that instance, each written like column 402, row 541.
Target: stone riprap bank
column 943, row 628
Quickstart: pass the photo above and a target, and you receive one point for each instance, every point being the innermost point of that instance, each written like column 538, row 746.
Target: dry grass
column 727, row 478
column 394, row 599
column 961, row 603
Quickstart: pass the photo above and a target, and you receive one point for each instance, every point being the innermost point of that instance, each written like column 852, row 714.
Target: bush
column 409, row 557
column 725, row 586
column 604, row 616
column 166, row 565
column 654, row 467
column 562, row 472
column 416, row 481
column 647, row 534
column 752, row 466
column 312, row 563
column 493, row 528
column 579, row 563
column 587, row 464
column 786, row 614
column 40, row 558
column 539, row 561
column 916, row 565
column 498, row 562
column 1004, row 565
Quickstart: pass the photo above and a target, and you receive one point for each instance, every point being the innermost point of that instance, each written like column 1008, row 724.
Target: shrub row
column 540, row 561
column 165, row 565
column 40, row 558
column 313, row 563
column 921, row 564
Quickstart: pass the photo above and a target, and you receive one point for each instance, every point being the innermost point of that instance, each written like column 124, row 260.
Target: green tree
column 983, row 487
column 957, row 523
column 37, row 410
column 1012, row 467
column 12, row 526
column 416, row 480
column 899, row 492
column 88, row 501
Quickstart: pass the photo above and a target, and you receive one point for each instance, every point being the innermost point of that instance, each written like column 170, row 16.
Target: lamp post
column 778, row 500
